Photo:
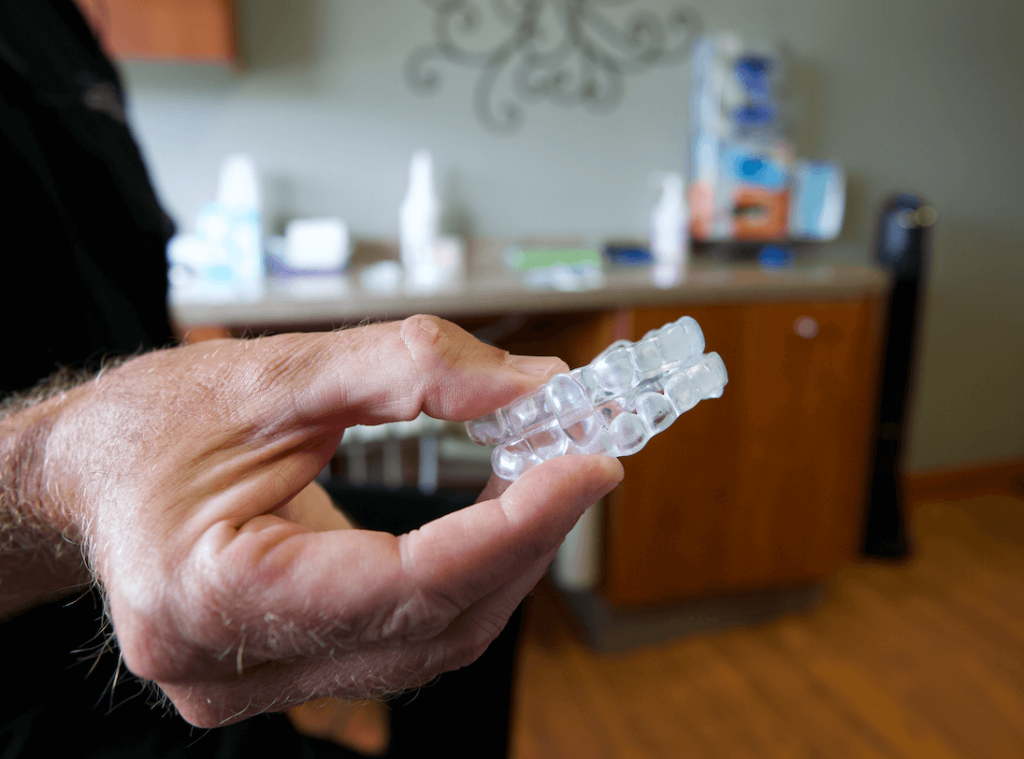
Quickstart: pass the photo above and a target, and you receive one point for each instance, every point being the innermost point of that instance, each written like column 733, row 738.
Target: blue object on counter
column 775, row 257
column 621, row 254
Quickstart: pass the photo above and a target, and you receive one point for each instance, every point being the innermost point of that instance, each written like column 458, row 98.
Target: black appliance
column 903, row 246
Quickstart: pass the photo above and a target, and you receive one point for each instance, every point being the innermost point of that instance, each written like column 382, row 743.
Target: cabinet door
column 184, row 30
column 764, row 486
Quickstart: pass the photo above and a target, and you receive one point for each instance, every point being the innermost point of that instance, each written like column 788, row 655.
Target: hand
column 235, row 589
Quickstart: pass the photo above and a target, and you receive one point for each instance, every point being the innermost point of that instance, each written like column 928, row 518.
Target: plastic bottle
column 419, row 218
column 229, row 236
column 670, row 233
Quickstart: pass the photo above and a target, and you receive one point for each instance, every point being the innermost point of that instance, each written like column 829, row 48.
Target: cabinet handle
column 806, row 327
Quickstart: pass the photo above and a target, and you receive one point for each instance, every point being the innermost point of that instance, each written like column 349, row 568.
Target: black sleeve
column 82, row 247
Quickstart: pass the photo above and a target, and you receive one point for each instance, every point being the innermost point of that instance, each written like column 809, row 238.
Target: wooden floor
column 920, row 659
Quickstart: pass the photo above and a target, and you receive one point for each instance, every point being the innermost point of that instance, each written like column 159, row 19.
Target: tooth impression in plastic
column 614, row 405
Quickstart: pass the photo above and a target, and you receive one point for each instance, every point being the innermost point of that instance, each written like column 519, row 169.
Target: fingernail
column 535, row 366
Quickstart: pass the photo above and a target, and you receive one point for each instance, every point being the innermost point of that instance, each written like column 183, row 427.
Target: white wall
column 918, row 96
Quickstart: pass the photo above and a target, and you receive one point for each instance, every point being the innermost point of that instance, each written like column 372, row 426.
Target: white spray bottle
column 419, row 219
column 670, row 221
column 670, row 233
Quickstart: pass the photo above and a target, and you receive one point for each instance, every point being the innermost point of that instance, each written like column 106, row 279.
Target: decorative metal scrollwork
column 568, row 52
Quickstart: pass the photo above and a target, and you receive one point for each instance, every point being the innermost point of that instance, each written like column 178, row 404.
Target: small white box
column 316, row 245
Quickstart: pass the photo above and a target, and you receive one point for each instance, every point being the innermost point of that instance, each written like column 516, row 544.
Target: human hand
column 234, row 588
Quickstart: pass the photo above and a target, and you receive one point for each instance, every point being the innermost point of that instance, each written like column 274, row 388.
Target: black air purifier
column 902, row 245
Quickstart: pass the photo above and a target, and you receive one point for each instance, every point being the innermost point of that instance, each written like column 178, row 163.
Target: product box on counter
column 746, row 180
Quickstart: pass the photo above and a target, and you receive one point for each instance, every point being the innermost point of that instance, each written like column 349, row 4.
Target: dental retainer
column 612, row 406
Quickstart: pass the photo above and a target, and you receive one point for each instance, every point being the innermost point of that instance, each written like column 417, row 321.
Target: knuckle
column 425, row 339
column 440, row 352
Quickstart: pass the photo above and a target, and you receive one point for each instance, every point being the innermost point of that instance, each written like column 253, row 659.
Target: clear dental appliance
column 613, row 406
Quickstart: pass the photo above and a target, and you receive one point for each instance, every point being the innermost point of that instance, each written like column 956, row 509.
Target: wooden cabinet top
column 489, row 288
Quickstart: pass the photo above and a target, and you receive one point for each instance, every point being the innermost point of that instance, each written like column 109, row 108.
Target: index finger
column 392, row 371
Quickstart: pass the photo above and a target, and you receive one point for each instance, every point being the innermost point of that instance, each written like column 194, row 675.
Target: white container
column 223, row 260
column 670, row 221
column 320, row 245
column 419, row 220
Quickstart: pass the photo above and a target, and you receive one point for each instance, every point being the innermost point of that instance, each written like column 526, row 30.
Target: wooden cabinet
column 169, row 30
column 763, row 487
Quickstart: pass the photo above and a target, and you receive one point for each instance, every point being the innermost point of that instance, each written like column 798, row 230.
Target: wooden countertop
column 489, row 288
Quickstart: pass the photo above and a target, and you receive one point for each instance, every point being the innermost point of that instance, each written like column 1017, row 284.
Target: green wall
column 908, row 96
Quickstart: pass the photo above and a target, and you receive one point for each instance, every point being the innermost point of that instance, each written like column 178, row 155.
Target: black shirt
column 82, row 234
column 82, row 251
column 82, row 261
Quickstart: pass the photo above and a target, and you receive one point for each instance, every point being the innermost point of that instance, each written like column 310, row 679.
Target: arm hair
column 41, row 551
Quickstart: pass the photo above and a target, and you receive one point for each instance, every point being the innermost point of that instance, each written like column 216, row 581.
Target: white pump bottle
column 670, row 221
column 419, row 219
column 670, row 233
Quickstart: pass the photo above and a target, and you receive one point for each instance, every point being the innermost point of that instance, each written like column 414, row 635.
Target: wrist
column 40, row 551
